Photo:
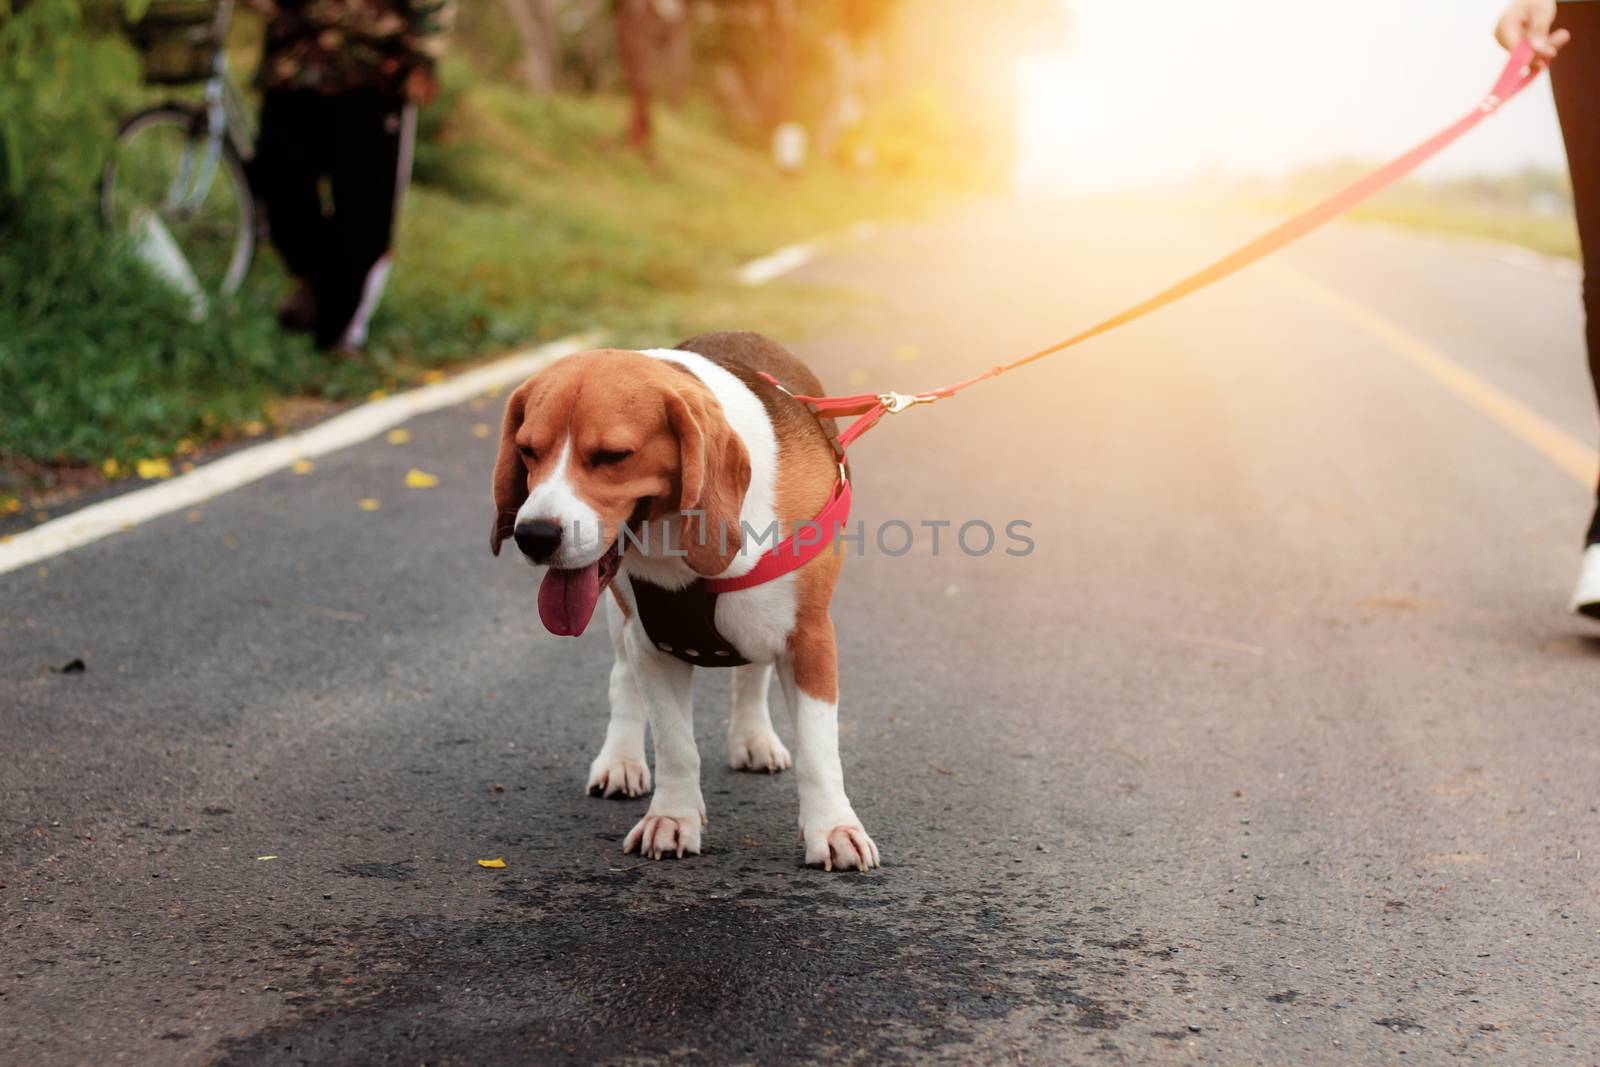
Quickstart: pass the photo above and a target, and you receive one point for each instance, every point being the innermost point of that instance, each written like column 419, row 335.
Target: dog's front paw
column 759, row 751
column 612, row 776
column 665, row 835
column 845, row 847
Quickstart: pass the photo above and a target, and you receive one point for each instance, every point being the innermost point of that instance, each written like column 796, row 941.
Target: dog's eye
column 528, row 453
column 608, row 457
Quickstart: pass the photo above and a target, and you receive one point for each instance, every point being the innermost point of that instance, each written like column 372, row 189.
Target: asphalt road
column 1279, row 747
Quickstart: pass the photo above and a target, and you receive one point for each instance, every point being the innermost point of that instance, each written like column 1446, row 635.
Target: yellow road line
column 1552, row 442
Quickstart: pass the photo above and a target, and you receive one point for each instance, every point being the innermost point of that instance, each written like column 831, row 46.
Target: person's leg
column 284, row 173
column 1575, row 79
column 371, row 165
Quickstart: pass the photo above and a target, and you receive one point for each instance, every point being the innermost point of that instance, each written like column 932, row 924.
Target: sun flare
column 1261, row 87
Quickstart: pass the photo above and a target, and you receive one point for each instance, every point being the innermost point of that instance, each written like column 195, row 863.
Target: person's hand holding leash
column 1531, row 20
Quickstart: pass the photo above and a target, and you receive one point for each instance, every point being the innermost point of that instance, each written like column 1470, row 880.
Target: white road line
column 789, row 257
column 252, row 464
column 775, row 265
column 1506, row 252
column 1527, row 259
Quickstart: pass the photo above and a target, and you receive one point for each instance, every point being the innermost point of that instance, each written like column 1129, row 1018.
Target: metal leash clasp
column 895, row 403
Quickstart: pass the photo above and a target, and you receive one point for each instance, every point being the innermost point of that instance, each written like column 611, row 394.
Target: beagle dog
column 656, row 476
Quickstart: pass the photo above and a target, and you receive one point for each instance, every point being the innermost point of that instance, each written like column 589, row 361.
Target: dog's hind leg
column 752, row 743
column 809, row 671
column 620, row 768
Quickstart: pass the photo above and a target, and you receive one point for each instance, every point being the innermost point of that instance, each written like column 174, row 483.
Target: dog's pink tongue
column 567, row 599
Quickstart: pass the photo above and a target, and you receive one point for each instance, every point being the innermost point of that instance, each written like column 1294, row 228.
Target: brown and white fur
column 612, row 438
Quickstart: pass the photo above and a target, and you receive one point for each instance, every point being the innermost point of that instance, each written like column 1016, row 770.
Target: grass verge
column 1531, row 208
column 529, row 219
column 1551, row 235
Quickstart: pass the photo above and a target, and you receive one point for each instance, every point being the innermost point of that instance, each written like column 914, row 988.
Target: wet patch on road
column 652, row 962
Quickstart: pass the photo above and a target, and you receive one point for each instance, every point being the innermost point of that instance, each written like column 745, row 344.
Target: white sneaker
column 1586, row 598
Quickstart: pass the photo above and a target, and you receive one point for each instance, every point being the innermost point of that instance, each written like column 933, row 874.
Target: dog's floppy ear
column 510, row 476
column 715, row 472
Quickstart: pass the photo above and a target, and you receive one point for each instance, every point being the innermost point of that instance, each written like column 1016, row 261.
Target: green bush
column 99, row 361
column 64, row 74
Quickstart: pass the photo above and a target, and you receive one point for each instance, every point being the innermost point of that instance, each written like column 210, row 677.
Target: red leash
column 795, row 552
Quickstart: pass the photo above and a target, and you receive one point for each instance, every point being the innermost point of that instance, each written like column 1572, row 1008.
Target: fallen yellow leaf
column 480, row 430
column 494, row 864
column 111, row 468
column 185, row 447
column 368, row 503
column 254, row 428
column 10, row 505
column 153, row 469
column 302, row 466
column 432, row 376
column 397, row 437
column 416, row 479
column 376, row 395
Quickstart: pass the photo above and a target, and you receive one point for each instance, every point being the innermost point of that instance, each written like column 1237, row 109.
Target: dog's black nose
column 538, row 539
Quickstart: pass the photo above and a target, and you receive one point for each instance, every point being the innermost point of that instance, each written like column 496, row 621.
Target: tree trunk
column 535, row 25
column 633, row 49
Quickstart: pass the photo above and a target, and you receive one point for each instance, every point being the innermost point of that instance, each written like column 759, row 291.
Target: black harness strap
column 683, row 623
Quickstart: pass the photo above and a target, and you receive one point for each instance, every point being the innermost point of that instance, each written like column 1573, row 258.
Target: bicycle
column 178, row 181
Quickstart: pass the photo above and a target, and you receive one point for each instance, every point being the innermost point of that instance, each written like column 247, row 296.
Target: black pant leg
column 291, row 158
column 1575, row 79
column 371, row 146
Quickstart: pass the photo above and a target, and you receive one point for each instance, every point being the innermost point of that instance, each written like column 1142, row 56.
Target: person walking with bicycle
column 341, row 81
column 1573, row 29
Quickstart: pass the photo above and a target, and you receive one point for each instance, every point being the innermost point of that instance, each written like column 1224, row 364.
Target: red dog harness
column 796, row 551
column 683, row 622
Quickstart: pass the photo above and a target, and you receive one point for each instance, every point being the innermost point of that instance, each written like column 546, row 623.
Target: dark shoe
column 298, row 313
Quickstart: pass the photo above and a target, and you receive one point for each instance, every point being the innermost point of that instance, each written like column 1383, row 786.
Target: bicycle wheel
column 185, row 199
